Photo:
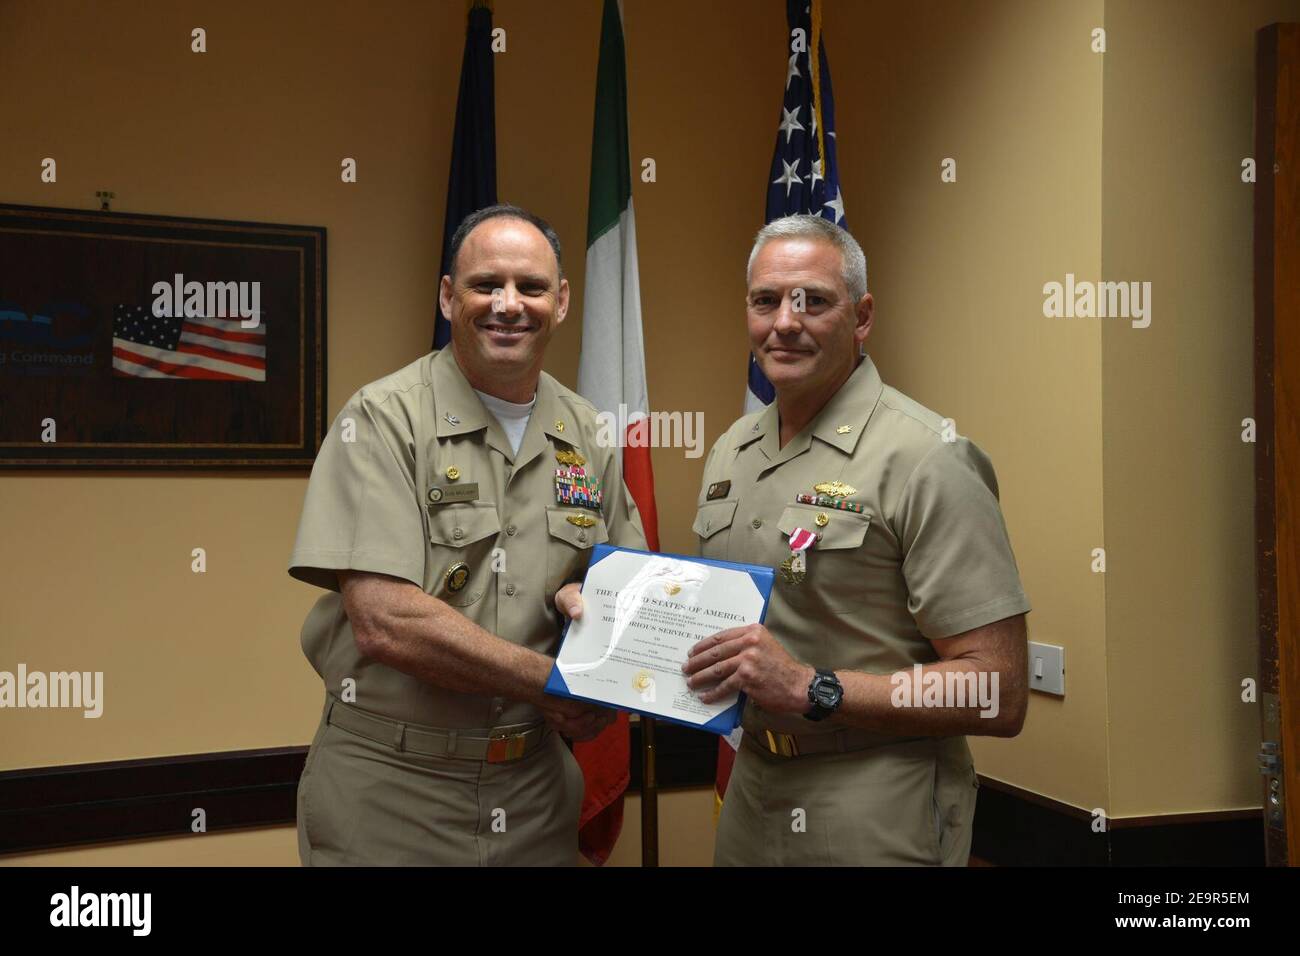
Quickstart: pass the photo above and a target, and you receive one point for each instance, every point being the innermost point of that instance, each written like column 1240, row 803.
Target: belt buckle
column 502, row 747
column 783, row 745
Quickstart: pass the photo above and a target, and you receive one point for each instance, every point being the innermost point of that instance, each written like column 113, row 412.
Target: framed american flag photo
column 135, row 341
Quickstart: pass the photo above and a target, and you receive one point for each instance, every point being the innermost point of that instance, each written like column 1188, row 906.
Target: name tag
column 718, row 489
column 451, row 494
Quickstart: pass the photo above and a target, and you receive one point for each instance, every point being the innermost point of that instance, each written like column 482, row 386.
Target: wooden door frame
column 1277, row 447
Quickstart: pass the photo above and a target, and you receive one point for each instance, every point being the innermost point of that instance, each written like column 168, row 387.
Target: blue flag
column 472, row 183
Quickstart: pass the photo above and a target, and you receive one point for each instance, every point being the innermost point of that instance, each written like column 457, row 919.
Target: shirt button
column 582, row 537
column 510, row 590
column 756, row 523
column 458, row 534
column 511, row 529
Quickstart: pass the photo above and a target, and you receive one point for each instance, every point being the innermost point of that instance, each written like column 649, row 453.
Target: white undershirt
column 513, row 418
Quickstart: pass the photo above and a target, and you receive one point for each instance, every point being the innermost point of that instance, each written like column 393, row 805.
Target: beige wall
column 1101, row 435
column 1013, row 93
column 1179, row 482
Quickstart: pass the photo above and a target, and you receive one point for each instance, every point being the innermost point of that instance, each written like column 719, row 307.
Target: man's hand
column 575, row 719
column 749, row 659
column 568, row 601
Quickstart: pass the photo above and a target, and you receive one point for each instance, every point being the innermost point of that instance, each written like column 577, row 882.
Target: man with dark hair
column 442, row 517
column 504, row 210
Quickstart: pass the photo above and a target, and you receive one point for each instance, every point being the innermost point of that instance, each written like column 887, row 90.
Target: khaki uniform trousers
column 361, row 802
column 903, row 804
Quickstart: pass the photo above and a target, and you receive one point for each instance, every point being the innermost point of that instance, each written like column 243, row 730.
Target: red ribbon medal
column 794, row 567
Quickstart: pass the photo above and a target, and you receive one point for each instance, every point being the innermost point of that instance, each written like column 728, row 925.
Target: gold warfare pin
column 836, row 489
column 582, row 521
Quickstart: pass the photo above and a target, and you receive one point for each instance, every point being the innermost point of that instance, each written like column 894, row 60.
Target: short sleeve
column 362, row 509
column 957, row 560
column 622, row 517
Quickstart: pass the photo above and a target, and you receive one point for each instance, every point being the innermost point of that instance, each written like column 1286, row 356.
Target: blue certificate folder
column 723, row 723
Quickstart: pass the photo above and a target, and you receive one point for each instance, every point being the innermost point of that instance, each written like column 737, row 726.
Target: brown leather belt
column 498, row 745
column 845, row 740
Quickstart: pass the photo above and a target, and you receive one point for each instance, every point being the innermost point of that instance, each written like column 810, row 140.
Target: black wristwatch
column 824, row 693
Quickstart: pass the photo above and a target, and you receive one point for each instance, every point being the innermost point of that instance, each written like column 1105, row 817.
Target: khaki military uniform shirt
column 926, row 558
column 417, row 480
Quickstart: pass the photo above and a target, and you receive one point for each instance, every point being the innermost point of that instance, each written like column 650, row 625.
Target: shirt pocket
column 837, row 565
column 569, row 544
column 713, row 518
column 461, row 541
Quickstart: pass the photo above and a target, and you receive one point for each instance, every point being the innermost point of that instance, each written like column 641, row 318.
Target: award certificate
column 641, row 613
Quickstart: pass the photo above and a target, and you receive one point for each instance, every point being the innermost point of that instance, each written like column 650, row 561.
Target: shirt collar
column 460, row 412
column 844, row 418
column 840, row 422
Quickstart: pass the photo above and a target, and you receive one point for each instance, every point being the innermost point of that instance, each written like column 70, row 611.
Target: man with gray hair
column 897, row 623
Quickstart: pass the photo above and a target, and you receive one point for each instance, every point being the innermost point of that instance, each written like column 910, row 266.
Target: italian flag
column 611, row 373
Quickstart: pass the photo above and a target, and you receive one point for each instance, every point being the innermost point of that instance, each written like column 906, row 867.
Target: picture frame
column 159, row 342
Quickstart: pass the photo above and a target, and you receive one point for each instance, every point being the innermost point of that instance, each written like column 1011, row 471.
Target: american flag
column 149, row 346
column 800, row 182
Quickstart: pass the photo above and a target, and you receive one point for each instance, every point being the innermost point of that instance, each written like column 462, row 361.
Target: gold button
column 822, row 520
column 453, row 473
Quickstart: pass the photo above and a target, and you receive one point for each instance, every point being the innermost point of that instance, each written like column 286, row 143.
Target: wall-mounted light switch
column 1047, row 668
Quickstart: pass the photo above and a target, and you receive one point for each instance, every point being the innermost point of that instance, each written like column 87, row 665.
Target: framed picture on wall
column 133, row 341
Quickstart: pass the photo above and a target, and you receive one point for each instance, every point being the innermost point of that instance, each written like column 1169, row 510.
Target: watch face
column 827, row 694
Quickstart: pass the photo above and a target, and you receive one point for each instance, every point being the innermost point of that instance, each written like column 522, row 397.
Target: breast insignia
column 836, row 489
column 457, row 576
column 571, row 458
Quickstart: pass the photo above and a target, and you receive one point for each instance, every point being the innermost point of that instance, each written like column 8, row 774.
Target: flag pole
column 649, row 796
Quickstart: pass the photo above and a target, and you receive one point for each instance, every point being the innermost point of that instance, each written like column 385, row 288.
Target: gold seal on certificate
column 641, row 613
